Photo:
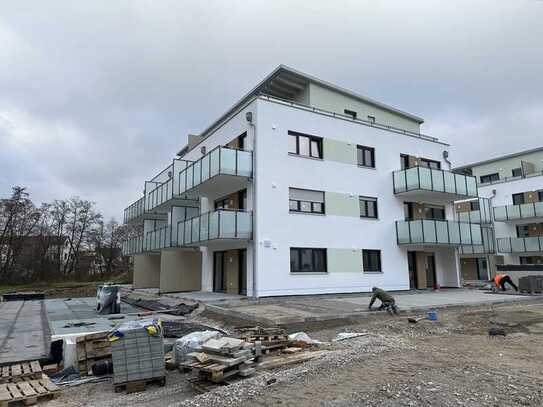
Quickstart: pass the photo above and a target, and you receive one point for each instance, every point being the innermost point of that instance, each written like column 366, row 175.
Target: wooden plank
column 16, row 370
column 38, row 388
column 35, row 366
column 49, row 385
column 26, row 389
column 4, row 393
column 14, row 390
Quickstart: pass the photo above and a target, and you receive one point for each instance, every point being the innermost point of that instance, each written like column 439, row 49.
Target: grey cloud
column 100, row 95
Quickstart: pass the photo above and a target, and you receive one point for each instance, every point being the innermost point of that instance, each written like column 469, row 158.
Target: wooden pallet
column 201, row 385
column 139, row 385
column 28, row 392
column 217, row 372
column 90, row 349
column 19, row 371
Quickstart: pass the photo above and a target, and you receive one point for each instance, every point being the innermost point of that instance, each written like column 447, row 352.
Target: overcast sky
column 97, row 96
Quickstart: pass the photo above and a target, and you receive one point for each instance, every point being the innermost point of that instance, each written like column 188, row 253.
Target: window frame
column 428, row 163
column 516, row 169
column 365, row 200
column 364, row 262
column 524, row 228
column 311, row 139
column 364, row 149
column 495, row 176
column 298, row 251
column 540, row 195
column 312, row 204
column 518, row 195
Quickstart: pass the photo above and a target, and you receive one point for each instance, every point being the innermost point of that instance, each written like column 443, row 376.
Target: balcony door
column 219, row 272
column 431, row 278
column 412, row 265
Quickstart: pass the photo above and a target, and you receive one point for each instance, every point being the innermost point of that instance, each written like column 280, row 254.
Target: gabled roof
column 285, row 82
column 500, row 158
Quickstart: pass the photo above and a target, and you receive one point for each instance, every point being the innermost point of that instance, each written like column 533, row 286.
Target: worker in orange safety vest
column 501, row 279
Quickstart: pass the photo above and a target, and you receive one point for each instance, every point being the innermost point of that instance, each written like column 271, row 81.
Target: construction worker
column 501, row 279
column 387, row 300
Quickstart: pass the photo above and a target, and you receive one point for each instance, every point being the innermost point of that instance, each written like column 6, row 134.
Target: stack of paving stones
column 138, row 358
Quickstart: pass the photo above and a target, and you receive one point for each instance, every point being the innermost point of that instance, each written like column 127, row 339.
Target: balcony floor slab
column 422, row 195
column 217, row 186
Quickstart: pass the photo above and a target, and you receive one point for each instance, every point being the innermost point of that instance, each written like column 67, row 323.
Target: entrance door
column 482, row 269
column 242, row 258
column 219, row 272
column 430, row 270
column 412, row 265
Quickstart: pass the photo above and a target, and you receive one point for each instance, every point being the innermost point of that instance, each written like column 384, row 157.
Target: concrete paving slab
column 295, row 310
column 24, row 331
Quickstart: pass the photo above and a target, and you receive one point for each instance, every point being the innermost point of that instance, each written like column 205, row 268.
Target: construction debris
column 191, row 342
column 414, row 320
column 28, row 391
column 348, row 335
column 267, row 339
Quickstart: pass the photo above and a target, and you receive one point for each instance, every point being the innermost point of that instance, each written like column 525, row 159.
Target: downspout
column 250, row 119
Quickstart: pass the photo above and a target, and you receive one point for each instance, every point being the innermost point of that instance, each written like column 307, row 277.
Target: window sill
column 373, row 272
column 306, row 156
column 308, row 273
column 367, row 218
column 306, row 213
column 366, row 167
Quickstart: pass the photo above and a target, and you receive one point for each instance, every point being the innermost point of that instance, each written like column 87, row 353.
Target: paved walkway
column 294, row 310
column 24, row 331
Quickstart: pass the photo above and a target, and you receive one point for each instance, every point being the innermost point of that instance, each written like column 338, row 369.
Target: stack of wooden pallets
column 270, row 339
column 90, row 349
column 222, row 358
column 24, row 383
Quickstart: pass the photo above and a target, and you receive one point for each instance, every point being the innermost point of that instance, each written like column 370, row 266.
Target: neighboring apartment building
column 303, row 187
column 512, row 185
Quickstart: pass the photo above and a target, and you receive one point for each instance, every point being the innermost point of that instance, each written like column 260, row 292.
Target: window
column 305, row 260
column 526, row 260
column 408, row 210
column 350, row 113
column 474, row 205
column 368, row 207
column 523, row 230
column 371, row 119
column 517, row 172
column 306, row 201
column 371, row 260
column 223, row 203
column 489, row 178
column 424, row 162
column 304, row 144
column 434, row 212
column 518, row 199
column 540, row 195
column 366, row 156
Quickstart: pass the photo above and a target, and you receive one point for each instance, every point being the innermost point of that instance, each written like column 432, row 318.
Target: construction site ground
column 449, row 362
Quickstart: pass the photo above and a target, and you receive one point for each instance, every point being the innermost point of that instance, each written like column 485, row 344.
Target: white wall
column 277, row 171
column 505, row 167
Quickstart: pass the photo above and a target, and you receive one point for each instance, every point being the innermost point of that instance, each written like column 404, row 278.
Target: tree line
column 62, row 239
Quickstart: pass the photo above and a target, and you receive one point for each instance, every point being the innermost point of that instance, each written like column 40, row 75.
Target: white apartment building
column 303, row 187
column 512, row 185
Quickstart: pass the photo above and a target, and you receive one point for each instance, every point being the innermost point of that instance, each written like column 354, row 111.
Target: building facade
column 512, row 186
column 303, row 187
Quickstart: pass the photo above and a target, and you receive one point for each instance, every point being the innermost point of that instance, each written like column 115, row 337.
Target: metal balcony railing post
column 448, row 233
column 418, row 176
column 466, row 182
column 435, row 230
column 220, row 161
column 422, row 227
column 431, row 180
column 236, row 224
column 236, row 155
column 219, row 224
column 409, row 230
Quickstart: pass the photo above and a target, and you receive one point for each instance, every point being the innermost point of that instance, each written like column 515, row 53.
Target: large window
column 540, row 195
column 304, row 144
column 368, row 207
column 516, row 172
column 371, row 260
column 434, row 212
column 425, row 162
column 366, row 156
column 518, row 199
column 489, row 178
column 306, row 201
column 523, row 230
column 304, row 260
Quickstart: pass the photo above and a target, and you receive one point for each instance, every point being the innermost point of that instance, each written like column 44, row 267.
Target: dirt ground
column 449, row 362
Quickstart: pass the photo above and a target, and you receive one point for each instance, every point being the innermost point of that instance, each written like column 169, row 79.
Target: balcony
column 488, row 246
column 132, row 246
column 428, row 232
column 158, row 239
column 137, row 212
column 520, row 244
column 510, row 213
column 427, row 184
column 480, row 215
column 220, row 226
column 221, row 171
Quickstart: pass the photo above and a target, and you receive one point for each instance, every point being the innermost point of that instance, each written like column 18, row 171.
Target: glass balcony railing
column 160, row 194
column 429, row 179
column 220, row 224
column 219, row 161
column 135, row 210
column 481, row 215
column 487, row 247
column 158, row 239
column 516, row 212
column 132, row 246
column 428, row 231
column 520, row 244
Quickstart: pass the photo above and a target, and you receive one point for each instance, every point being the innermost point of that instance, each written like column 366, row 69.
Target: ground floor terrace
column 229, row 268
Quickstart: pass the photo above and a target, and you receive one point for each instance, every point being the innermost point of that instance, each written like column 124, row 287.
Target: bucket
column 432, row 315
